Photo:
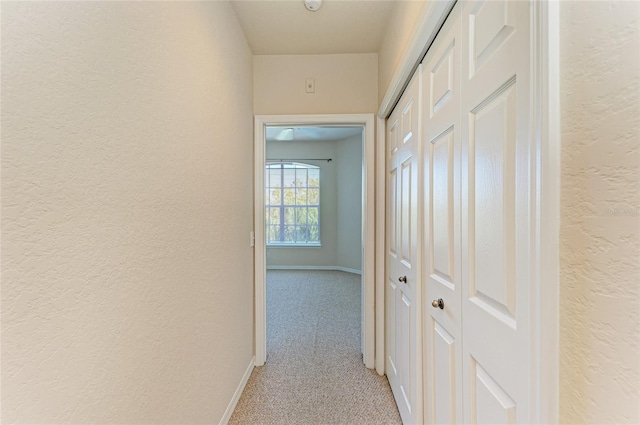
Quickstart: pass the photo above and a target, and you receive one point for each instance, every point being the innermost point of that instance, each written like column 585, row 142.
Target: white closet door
column 497, row 189
column 404, row 358
column 441, row 138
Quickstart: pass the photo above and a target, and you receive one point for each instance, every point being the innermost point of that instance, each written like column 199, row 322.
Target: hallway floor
column 314, row 372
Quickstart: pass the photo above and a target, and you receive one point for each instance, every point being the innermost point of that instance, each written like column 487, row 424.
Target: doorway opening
column 314, row 195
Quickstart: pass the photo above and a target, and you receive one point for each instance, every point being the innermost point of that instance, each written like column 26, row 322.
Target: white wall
column 345, row 84
column 126, row 134
column 325, row 255
column 600, row 229
column 402, row 23
column 349, row 198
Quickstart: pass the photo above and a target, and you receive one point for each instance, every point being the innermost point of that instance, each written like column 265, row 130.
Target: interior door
column 498, row 178
column 403, row 360
column 441, row 138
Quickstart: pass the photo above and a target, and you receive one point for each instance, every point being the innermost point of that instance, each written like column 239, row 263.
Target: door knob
column 439, row 303
column 402, row 279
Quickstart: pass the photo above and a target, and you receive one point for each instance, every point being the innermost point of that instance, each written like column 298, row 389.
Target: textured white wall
column 402, row 23
column 345, row 84
column 126, row 269
column 600, row 252
column 311, row 256
column 349, row 198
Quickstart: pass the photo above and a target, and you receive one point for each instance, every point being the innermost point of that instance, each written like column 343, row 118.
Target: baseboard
column 238, row 393
column 348, row 270
column 337, row 268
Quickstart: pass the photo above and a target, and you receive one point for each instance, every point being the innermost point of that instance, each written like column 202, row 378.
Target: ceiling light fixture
column 286, row 134
column 312, row 5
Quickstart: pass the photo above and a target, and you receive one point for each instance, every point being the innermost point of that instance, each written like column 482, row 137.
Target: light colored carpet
column 314, row 372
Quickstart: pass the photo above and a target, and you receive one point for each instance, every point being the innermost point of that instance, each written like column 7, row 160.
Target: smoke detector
column 312, row 5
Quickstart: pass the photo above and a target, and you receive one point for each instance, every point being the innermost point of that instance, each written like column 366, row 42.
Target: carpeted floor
column 314, row 372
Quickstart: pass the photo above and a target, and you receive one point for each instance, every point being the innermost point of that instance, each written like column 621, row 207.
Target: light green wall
column 340, row 204
column 311, row 256
column 349, row 195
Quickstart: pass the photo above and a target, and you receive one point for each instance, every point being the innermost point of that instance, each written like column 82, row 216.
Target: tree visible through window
column 292, row 203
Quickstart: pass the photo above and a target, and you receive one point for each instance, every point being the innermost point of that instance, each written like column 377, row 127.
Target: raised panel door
column 403, row 357
column 441, row 231
column 497, row 183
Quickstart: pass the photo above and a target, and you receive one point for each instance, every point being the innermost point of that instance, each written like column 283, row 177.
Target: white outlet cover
column 310, row 85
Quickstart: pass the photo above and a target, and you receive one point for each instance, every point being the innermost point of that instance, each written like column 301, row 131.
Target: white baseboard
column 348, row 270
column 338, row 268
column 238, row 393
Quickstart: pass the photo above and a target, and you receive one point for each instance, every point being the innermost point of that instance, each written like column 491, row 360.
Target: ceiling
column 307, row 134
column 286, row 27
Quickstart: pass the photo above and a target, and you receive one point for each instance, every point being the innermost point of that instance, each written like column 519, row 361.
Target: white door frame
column 545, row 130
column 368, row 223
column 381, row 260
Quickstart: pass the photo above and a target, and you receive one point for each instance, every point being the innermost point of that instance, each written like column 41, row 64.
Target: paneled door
column 403, row 346
column 477, row 199
column 441, row 139
column 497, row 192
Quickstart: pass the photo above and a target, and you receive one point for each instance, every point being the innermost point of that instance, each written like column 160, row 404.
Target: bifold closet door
column 403, row 350
column 441, row 138
column 478, row 182
column 497, row 229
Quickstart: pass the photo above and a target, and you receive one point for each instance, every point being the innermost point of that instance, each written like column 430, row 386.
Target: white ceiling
column 307, row 134
column 286, row 27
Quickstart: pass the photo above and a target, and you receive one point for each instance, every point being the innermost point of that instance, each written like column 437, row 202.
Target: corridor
column 314, row 372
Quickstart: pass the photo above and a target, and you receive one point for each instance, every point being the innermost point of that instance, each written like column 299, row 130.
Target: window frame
column 282, row 207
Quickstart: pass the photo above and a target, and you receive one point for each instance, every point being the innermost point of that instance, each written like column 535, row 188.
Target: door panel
column 492, row 159
column 391, row 296
column 490, row 24
column 393, row 208
column 406, row 236
column 444, row 375
column 441, row 233
column 404, row 356
column 406, row 328
column 442, row 243
column 490, row 404
column 441, row 79
column 497, row 178
column 409, row 120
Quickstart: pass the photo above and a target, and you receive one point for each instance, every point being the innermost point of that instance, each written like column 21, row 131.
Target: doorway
column 270, row 226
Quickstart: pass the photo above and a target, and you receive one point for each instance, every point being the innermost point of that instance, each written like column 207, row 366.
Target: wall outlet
column 310, row 85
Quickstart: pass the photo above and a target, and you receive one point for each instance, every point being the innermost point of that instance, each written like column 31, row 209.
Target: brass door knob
column 439, row 303
column 402, row 279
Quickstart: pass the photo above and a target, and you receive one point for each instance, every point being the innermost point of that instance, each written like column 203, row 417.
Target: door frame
column 367, row 121
column 545, row 196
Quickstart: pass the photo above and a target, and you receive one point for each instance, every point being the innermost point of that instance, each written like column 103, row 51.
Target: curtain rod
column 300, row 159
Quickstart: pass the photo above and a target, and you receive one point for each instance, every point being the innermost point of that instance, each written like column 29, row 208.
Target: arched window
column 292, row 204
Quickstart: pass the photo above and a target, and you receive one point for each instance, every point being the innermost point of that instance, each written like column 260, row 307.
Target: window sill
column 293, row 245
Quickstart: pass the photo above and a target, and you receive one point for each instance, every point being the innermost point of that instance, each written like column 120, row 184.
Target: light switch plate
column 310, row 85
